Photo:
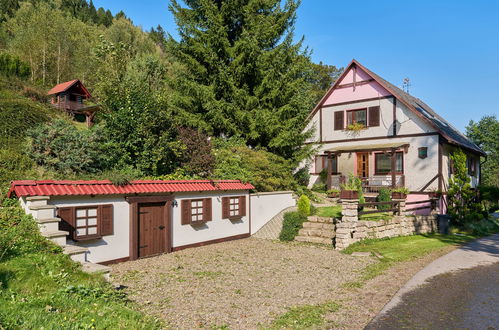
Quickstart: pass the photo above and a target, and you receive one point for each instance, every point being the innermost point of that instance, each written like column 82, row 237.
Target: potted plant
column 333, row 193
column 400, row 193
column 356, row 127
column 350, row 189
column 435, row 193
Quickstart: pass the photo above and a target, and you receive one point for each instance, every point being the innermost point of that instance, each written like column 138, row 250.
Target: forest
column 227, row 99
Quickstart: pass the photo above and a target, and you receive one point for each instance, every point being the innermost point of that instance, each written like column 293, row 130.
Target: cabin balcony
column 69, row 105
column 370, row 185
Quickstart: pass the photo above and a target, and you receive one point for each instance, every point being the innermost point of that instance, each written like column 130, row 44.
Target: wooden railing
column 375, row 183
column 69, row 105
column 395, row 207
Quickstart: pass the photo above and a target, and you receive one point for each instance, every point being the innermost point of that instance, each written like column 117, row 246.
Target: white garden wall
column 266, row 205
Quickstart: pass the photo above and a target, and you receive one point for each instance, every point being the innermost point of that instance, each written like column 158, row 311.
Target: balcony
column 371, row 184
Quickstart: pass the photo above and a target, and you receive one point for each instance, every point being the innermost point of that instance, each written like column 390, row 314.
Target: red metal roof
column 24, row 188
column 62, row 87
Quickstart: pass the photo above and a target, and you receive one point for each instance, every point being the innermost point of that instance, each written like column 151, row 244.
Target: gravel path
column 240, row 284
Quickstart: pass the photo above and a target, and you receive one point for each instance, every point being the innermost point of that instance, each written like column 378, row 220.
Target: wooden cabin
column 70, row 96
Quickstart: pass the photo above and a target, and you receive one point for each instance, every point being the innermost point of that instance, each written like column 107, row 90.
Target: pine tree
column 240, row 72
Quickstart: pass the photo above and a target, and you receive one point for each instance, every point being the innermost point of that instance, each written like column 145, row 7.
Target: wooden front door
column 153, row 230
column 363, row 164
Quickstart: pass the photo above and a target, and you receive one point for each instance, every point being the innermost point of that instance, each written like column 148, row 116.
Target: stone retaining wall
column 349, row 232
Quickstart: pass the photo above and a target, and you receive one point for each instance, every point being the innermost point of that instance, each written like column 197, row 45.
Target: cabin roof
column 22, row 188
column 63, row 87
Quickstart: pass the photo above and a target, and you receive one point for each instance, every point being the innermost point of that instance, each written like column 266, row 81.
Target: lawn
column 335, row 212
column 401, row 249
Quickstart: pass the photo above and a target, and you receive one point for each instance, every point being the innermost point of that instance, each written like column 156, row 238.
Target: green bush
column 12, row 66
column 319, row 187
column 481, row 226
column 265, row 170
column 302, row 176
column 304, row 205
column 384, row 195
column 62, row 147
column 292, row 223
column 19, row 233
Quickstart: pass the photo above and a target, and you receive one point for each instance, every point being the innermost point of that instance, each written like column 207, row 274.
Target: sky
column 448, row 49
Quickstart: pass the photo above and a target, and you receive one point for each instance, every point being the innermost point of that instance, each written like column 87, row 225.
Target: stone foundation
column 349, row 232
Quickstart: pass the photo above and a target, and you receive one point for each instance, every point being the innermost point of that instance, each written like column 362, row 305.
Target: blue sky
column 448, row 49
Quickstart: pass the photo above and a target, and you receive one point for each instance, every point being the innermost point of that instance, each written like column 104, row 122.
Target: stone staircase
column 48, row 223
column 317, row 229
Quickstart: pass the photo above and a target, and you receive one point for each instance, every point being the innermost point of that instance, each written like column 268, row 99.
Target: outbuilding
column 107, row 223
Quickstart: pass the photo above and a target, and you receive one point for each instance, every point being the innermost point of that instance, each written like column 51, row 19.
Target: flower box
column 349, row 194
column 398, row 195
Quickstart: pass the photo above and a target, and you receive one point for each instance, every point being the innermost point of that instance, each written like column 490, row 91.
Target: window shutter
column 105, row 220
column 374, row 116
column 67, row 215
column 225, row 207
column 338, row 120
column 186, row 212
column 207, row 209
column 242, row 206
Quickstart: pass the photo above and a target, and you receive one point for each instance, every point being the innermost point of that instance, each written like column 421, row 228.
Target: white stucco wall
column 215, row 229
column 109, row 247
column 264, row 206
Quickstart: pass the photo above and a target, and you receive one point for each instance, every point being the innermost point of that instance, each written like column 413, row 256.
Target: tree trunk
column 58, row 62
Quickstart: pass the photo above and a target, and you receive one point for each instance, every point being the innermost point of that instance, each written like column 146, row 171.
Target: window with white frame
column 86, row 222
column 234, row 209
column 197, row 210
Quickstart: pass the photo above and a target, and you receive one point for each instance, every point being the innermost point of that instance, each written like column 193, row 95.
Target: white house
column 367, row 126
column 104, row 223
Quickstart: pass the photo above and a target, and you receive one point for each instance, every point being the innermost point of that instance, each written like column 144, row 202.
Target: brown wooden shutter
column 105, row 219
column 242, row 206
column 339, row 120
column 207, row 209
column 374, row 116
column 186, row 216
column 225, row 207
column 67, row 215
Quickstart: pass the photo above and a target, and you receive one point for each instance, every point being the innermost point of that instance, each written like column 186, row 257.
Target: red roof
column 62, row 87
column 24, row 188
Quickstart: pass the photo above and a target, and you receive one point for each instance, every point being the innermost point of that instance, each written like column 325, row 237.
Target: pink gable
column 361, row 92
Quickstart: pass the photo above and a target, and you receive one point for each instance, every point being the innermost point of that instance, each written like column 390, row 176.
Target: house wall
column 264, row 206
column 215, row 229
column 109, row 247
column 418, row 172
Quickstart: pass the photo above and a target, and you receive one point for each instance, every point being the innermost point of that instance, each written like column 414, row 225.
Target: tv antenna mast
column 406, row 84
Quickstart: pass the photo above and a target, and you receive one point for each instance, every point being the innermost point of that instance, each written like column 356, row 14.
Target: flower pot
column 349, row 194
column 398, row 195
column 333, row 195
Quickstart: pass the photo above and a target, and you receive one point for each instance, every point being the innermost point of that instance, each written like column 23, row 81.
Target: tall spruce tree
column 241, row 73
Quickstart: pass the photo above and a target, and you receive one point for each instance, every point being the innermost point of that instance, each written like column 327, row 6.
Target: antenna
column 406, row 84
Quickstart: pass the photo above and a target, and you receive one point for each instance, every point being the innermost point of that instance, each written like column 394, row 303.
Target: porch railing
column 370, row 184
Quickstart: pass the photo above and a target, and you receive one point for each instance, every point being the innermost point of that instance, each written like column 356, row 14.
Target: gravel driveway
column 238, row 284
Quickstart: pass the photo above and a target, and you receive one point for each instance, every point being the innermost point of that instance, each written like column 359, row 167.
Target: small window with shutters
column 196, row 211
column 86, row 222
column 233, row 207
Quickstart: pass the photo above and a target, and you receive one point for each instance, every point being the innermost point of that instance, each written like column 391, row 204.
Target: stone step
column 42, row 211
column 321, row 233
column 77, row 253
column 313, row 239
column 57, row 236
column 48, row 224
column 37, row 200
column 92, row 268
column 318, row 225
column 315, row 218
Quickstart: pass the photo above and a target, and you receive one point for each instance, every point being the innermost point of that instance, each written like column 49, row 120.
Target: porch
column 377, row 165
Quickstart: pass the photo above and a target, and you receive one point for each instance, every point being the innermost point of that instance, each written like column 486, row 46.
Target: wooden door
column 363, row 164
column 153, row 231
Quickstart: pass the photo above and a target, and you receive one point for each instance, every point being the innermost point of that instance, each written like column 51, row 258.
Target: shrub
column 292, row 223
column 302, row 176
column 482, row 227
column 460, row 194
column 12, row 66
column 62, row 147
column 265, row 170
column 196, row 156
column 304, row 205
column 319, row 187
column 19, row 233
column 384, row 195
column 34, row 94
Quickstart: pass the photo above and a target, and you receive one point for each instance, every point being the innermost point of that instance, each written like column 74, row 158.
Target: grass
column 400, row 249
column 305, row 317
column 329, row 211
column 41, row 290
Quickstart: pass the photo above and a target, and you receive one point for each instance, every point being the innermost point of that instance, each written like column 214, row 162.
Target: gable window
column 383, row 163
column 321, row 164
column 86, row 222
column 233, row 207
column 357, row 117
column 196, row 211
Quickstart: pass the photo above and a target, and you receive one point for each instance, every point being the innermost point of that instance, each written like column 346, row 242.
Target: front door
column 152, row 229
column 363, row 164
